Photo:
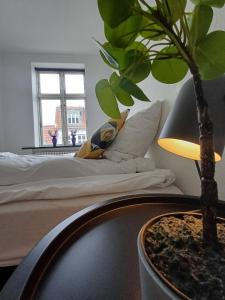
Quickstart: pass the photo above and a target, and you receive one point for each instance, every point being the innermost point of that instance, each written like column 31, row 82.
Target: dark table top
column 93, row 254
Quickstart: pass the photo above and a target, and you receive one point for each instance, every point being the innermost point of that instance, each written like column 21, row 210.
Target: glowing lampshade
column 180, row 134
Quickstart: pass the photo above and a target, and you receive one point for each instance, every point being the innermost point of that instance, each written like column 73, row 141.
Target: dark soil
column 175, row 247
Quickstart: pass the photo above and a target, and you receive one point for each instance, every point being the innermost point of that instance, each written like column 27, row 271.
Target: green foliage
column 107, row 99
column 201, row 21
column 120, row 55
column 161, row 39
column 125, row 33
column 131, row 61
column 131, row 88
column 138, row 67
column 151, row 31
column 173, row 9
column 215, row 3
column 120, row 89
column 122, row 96
column 116, row 11
column 169, row 70
column 210, row 55
column 107, row 55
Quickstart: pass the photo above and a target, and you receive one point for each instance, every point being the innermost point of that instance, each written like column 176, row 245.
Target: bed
column 38, row 192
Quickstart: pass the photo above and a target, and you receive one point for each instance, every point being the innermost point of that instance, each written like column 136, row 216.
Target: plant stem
column 209, row 191
column 162, row 22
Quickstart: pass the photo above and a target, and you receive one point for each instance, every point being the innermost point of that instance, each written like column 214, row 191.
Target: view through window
column 61, row 99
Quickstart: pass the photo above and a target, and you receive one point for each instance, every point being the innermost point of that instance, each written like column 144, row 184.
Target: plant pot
column 153, row 284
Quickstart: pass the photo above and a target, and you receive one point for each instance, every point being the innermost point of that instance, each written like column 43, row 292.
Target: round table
column 92, row 255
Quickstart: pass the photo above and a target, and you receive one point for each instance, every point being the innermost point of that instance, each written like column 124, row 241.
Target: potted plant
column 166, row 40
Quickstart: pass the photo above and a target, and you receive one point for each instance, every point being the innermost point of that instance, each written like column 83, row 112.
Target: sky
column 49, row 108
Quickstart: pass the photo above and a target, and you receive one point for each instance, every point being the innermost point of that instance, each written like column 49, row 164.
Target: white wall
column 17, row 90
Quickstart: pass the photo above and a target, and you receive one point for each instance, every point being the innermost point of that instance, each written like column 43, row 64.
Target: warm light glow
column 183, row 148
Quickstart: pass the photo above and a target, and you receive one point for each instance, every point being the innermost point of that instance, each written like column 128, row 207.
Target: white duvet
column 15, row 169
column 23, row 178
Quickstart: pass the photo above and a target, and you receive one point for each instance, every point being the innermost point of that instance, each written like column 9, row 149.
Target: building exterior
column 76, row 124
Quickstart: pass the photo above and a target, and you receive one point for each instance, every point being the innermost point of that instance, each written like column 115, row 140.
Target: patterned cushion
column 102, row 138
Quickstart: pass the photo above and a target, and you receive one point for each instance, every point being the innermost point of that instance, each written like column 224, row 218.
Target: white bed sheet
column 66, row 188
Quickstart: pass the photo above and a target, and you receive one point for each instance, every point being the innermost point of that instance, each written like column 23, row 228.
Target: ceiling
column 59, row 26
column 56, row 26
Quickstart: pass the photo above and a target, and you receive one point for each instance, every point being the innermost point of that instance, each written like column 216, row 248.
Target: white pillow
column 138, row 132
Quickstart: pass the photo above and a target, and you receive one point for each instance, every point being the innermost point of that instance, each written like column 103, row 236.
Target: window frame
column 62, row 97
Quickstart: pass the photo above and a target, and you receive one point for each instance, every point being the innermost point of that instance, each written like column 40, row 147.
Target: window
column 81, row 138
column 74, row 117
column 61, row 105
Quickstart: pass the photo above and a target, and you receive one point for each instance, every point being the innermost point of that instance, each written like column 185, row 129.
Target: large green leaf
column 169, row 70
column 139, row 46
column 124, row 34
column 108, row 57
column 115, row 12
column 151, row 31
column 138, row 65
column 122, row 96
column 133, row 89
column 215, row 3
column 201, row 21
column 210, row 55
column 174, row 10
column 106, row 99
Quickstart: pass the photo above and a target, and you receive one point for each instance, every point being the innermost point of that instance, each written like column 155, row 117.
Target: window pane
column 49, row 83
column 76, row 121
column 74, row 83
column 51, row 121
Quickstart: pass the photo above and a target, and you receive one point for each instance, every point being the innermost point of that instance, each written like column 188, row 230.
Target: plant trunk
column 209, row 192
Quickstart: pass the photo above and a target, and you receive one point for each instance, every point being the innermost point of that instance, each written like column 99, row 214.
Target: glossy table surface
column 92, row 254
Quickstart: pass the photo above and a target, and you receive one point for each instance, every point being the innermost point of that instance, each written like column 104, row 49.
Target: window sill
column 49, row 150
